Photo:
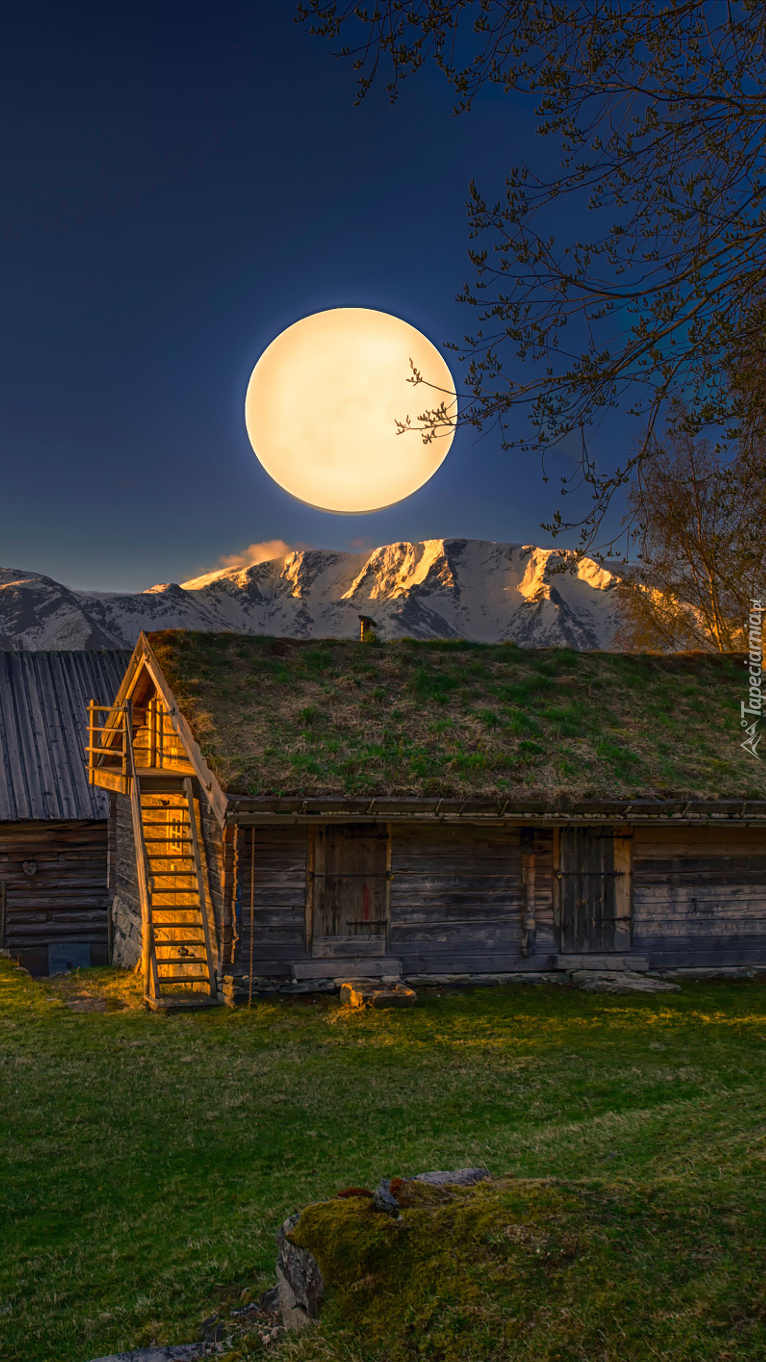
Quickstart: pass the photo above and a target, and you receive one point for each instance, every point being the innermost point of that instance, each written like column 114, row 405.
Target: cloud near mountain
column 257, row 553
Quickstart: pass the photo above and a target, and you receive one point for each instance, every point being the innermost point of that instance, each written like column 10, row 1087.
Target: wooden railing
column 155, row 743
column 107, row 740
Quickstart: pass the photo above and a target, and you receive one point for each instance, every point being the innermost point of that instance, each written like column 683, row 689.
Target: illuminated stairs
column 181, row 969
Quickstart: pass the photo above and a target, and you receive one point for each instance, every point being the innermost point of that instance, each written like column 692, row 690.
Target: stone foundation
column 126, row 933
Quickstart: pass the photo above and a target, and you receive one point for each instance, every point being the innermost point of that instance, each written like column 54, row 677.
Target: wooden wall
column 699, row 896
column 279, row 899
column 456, row 899
column 125, row 869
column 65, row 899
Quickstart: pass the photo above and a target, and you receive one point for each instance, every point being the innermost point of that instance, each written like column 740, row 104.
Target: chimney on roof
column 367, row 629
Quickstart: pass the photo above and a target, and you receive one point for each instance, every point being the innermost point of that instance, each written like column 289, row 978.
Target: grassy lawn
column 146, row 1162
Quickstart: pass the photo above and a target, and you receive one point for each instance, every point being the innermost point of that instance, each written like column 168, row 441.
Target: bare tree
column 659, row 111
column 700, row 529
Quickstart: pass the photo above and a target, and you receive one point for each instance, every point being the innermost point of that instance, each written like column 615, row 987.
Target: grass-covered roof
column 335, row 717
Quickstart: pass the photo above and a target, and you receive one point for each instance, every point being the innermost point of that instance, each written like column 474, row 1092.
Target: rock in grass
column 622, row 981
column 363, row 993
column 384, row 1200
column 299, row 1279
column 181, row 1352
column 300, row 1283
column 459, row 1177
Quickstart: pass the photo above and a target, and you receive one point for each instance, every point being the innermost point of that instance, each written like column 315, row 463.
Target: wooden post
column 389, row 878
column 197, row 849
column 91, row 740
column 310, row 886
column 152, row 725
column 150, row 981
column 2, row 913
column 623, row 891
column 252, row 912
column 528, row 923
column 124, row 721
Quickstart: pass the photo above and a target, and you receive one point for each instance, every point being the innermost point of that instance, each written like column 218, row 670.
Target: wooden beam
column 272, row 818
column 218, row 801
column 189, row 790
column 149, row 976
column 528, row 876
column 110, row 780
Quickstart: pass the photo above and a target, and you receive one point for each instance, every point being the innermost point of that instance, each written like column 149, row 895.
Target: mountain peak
column 476, row 589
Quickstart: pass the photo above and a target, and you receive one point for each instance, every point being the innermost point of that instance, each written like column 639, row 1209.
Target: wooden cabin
column 287, row 814
column 54, row 889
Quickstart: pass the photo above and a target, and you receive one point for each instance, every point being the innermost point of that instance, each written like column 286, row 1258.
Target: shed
column 287, row 813
column 53, row 823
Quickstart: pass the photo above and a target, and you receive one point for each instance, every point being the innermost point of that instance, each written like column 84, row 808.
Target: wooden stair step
column 181, row 959
column 174, row 855
column 186, row 941
column 190, row 1002
column 182, row 821
column 190, row 893
column 178, row 831
column 177, row 926
column 196, row 926
column 170, row 846
column 184, row 979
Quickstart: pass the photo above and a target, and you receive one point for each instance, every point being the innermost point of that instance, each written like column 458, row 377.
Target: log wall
column 63, row 899
column 457, row 899
column 699, row 896
column 279, row 899
column 460, row 896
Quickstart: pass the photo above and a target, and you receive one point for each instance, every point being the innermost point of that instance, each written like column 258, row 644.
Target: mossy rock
column 517, row 1270
column 428, row 1270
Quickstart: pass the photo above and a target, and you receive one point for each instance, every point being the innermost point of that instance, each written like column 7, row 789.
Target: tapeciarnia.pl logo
column 752, row 711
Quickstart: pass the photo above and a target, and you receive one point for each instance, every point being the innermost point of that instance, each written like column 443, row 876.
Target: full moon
column 323, row 402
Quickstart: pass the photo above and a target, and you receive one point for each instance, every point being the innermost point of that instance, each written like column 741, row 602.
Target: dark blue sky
column 180, row 181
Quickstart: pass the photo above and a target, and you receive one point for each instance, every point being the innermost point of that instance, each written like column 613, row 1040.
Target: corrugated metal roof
column 43, row 731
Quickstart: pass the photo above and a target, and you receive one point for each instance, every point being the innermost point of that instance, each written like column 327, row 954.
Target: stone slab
column 181, row 1352
column 362, row 994
column 359, row 968
column 458, row 1177
column 239, row 995
column 620, row 981
column 702, row 972
column 486, row 980
column 603, row 961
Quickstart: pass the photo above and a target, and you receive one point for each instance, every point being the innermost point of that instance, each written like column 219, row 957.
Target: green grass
column 279, row 717
column 146, row 1162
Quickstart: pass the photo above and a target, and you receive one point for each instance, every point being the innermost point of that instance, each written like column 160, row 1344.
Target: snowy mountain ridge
column 440, row 588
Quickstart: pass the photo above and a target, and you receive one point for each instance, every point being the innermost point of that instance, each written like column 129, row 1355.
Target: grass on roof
column 455, row 719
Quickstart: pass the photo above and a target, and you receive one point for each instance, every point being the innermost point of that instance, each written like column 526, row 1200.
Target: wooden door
column 349, row 890
column 593, row 887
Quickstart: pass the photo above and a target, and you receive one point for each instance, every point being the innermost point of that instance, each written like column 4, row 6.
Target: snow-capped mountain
column 440, row 588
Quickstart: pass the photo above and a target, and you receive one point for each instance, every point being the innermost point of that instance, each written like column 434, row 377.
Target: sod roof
column 278, row 717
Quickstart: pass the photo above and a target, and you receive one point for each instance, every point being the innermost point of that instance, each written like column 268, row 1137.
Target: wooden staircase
column 178, row 958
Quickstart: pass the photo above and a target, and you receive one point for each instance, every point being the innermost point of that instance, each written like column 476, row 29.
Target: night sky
column 180, row 182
